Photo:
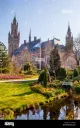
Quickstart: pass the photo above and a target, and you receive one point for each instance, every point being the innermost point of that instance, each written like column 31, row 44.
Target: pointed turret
column 69, row 38
column 69, row 31
column 30, row 36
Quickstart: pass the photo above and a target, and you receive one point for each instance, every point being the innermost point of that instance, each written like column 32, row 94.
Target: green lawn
column 14, row 95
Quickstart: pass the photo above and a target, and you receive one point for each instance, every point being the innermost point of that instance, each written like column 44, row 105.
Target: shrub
column 76, row 83
column 62, row 74
column 76, row 78
column 8, row 114
column 77, row 89
column 45, row 91
column 75, row 73
column 28, row 68
column 59, row 91
column 44, row 77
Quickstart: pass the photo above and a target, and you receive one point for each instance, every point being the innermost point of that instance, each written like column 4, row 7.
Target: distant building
column 35, row 51
column 13, row 38
column 69, row 39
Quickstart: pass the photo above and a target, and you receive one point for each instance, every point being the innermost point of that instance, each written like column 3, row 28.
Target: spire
column 69, row 31
column 30, row 33
column 14, row 20
column 30, row 36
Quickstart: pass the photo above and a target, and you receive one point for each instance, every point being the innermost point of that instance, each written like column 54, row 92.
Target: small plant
column 44, row 77
column 59, row 91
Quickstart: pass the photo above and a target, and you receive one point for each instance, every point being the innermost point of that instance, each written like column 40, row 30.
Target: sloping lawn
column 14, row 95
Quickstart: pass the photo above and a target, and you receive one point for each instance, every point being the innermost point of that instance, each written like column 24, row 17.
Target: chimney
column 25, row 41
column 35, row 38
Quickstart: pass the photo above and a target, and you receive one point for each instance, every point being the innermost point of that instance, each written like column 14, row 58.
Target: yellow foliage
column 76, row 83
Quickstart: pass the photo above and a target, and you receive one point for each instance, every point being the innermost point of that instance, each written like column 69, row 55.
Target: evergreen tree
column 4, row 61
column 55, row 63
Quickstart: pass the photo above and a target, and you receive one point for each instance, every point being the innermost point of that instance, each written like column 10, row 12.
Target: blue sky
column 46, row 18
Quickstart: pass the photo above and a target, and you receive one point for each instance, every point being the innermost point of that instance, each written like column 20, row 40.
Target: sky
column 46, row 18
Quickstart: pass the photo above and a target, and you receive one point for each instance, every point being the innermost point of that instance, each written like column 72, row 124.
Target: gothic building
column 30, row 50
column 69, row 40
column 13, row 38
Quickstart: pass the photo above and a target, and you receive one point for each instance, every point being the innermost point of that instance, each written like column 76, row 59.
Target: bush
column 76, row 83
column 45, row 91
column 76, row 78
column 69, row 74
column 52, row 85
column 29, row 69
column 75, row 73
column 59, row 91
column 62, row 74
column 44, row 77
column 77, row 89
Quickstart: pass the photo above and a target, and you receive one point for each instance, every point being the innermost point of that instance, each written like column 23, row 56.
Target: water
column 68, row 109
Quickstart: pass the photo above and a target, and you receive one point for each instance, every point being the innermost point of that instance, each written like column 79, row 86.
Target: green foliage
column 15, row 95
column 55, row 84
column 55, row 63
column 41, row 77
column 59, row 91
column 45, row 91
column 8, row 114
column 69, row 75
column 76, row 78
column 4, row 61
column 44, row 77
column 13, row 68
column 28, row 68
column 77, row 89
column 75, row 73
column 62, row 74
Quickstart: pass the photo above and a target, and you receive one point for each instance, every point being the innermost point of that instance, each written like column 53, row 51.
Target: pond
column 68, row 109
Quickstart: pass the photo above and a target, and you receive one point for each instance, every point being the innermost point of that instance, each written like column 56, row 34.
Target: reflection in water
column 68, row 110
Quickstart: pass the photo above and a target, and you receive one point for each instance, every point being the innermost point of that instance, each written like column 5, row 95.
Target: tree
column 4, row 61
column 44, row 77
column 13, row 68
column 55, row 63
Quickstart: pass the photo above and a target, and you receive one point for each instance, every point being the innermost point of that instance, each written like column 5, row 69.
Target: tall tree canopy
column 55, row 63
column 4, row 61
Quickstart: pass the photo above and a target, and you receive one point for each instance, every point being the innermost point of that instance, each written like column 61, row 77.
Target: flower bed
column 6, row 77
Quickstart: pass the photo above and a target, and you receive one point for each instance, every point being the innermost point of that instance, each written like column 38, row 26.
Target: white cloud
column 67, row 11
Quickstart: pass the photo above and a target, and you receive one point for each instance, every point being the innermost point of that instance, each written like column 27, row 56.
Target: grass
column 15, row 95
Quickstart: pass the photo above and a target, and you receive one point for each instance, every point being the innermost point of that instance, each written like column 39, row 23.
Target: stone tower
column 13, row 38
column 69, row 39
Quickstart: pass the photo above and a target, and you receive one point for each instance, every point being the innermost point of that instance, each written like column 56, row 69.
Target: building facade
column 35, row 51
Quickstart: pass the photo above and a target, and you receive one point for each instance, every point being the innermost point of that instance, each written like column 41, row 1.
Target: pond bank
column 18, row 97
